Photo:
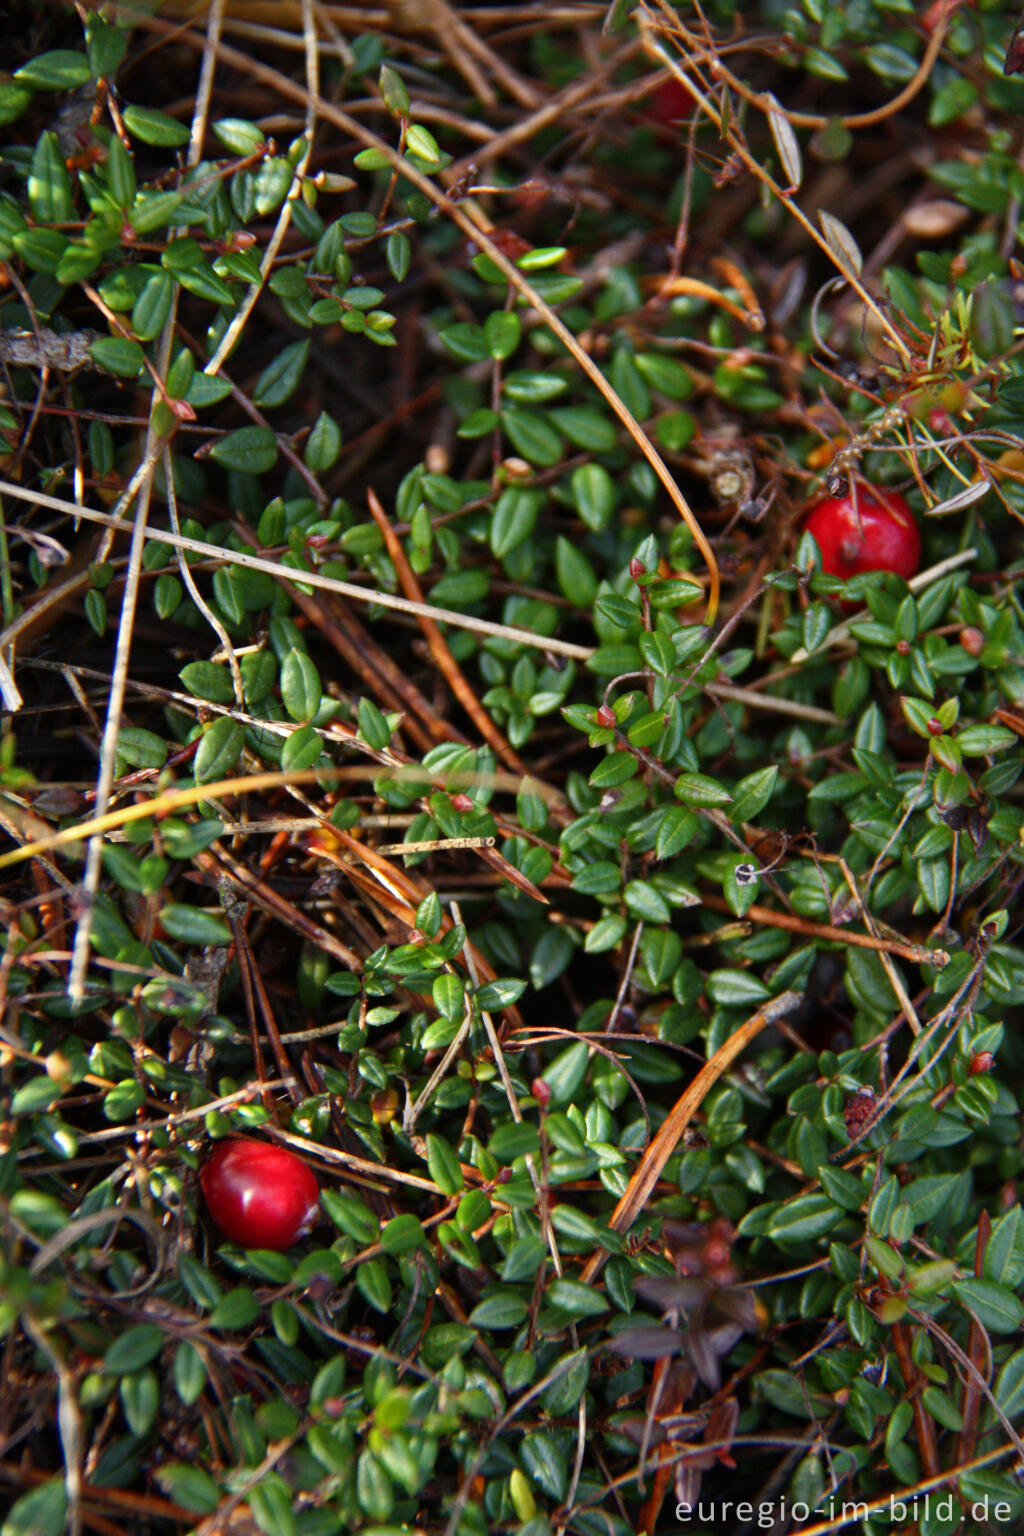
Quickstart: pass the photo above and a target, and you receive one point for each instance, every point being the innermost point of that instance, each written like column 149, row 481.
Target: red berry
column 260, row 1195
column 669, row 104
column 867, row 530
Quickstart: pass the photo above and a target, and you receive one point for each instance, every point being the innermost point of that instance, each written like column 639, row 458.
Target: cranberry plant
column 442, row 746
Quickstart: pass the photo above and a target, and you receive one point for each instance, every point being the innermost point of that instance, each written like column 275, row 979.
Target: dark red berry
column 670, row 103
column 867, row 530
column 260, row 1195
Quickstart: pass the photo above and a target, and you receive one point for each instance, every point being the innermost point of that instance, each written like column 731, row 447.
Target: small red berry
column 260, row 1195
column 868, row 531
column 972, row 640
column 669, row 104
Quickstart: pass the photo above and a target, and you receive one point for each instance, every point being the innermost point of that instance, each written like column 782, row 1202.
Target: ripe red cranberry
column 669, row 104
column 866, row 530
column 260, row 1195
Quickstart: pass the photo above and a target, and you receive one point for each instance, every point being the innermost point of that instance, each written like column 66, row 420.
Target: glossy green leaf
column 251, row 449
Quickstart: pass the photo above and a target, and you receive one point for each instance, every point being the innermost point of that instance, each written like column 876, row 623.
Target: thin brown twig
column 794, row 924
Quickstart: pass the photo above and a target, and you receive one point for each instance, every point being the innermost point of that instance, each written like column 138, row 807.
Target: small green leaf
column 323, row 444
column 499, row 1309
column 155, row 210
column 585, row 427
column 753, row 793
column 351, row 1215
column 118, row 355
column 373, row 727
column 398, row 254
column 465, row 341
column 444, row 1165
column 593, row 492
column 153, row 306
column 501, row 993
column 420, row 141
column 280, row 379
column 120, row 174
column 61, row 70
column 698, row 789
column 449, row 996
column 803, row 1219
column 193, row 926
column 154, row 127
column 643, row 900
column 208, row 680
column 393, row 91
column 995, row 1306
column 219, row 750
column 579, row 1300
column 302, row 749
column 514, row 518
column 140, row 1399
column 736, row 989
column 123, row 1101
column 43, row 1511
column 189, row 1486
column 372, row 1280
column 238, row 1309
column 513, row 1139
column 502, row 331
column 135, row 1348
column 985, row 740
column 49, row 185
column 251, row 449
column 301, row 689
column 533, row 436
column 677, row 828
